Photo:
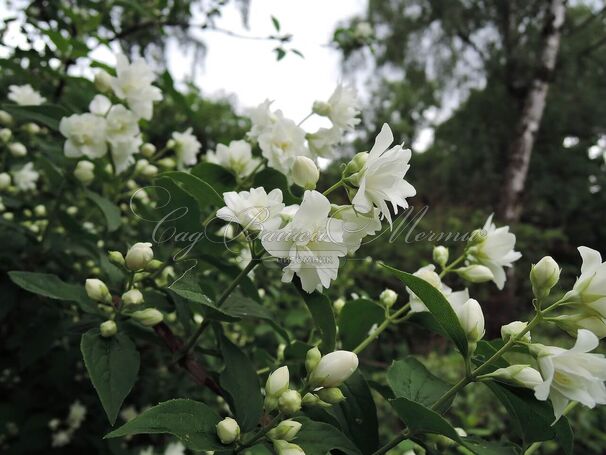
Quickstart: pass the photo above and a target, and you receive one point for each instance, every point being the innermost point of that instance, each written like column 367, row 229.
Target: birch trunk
column 520, row 148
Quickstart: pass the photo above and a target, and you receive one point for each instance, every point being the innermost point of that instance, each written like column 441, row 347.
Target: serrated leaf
column 110, row 211
column 192, row 422
column 437, row 305
column 356, row 320
column 112, row 364
column 239, row 379
column 200, row 302
column 408, row 378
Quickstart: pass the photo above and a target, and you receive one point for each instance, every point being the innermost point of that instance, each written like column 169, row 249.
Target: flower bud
column 312, row 358
column 40, row 211
column 338, row 305
column 31, row 128
column 115, row 257
column 356, row 164
column 544, row 275
column 132, row 297
column 17, row 149
column 5, row 181
column 154, row 265
column 277, row 382
column 523, row 375
column 388, row 298
column 148, row 150
column 285, row 430
column 286, row 448
column 84, row 172
column 440, row 255
column 103, row 81
column 514, row 329
column 321, row 108
column 5, row 118
column 334, row 369
column 305, row 173
column 139, row 255
column 5, row 135
column 332, row 395
column 228, row 430
column 97, row 290
column 475, row 273
column 167, row 163
column 171, row 144
column 472, row 320
column 289, row 402
column 108, row 329
column 149, row 171
column 148, row 317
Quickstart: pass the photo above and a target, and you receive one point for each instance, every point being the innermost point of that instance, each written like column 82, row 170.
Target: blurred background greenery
column 451, row 77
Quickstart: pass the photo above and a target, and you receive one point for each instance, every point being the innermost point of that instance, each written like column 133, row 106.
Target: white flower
column 100, row 105
column 25, row 95
column 281, row 143
column 363, row 30
column 571, row 374
column 86, row 135
column 494, row 249
column 237, row 156
column 475, row 273
column 254, row 210
column 25, row 178
column 61, row 438
column 139, row 255
column 175, row 448
column 342, row 108
column 356, row 225
column 123, row 151
column 187, row 147
column 321, row 142
column 133, row 84
column 312, row 242
column 77, row 414
column 428, row 274
column 334, row 369
column 261, row 118
column 381, row 179
column 121, row 124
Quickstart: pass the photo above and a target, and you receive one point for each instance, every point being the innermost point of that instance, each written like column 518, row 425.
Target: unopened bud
column 148, row 317
column 149, row 171
column 153, row 265
column 287, row 448
column 31, row 128
column 544, row 275
column 167, row 163
column 17, row 149
column 103, row 81
column 5, row 180
column 84, row 172
column 471, row 318
column 285, row 430
column 338, row 305
column 475, row 273
column 228, row 430
column 388, row 298
column 305, row 173
column 5, row 118
column 277, row 383
column 321, row 108
column 312, row 358
column 334, row 369
column 97, row 290
column 356, row 164
column 289, row 402
column 132, row 297
column 513, row 329
column 523, row 375
column 5, row 135
column 139, row 255
column 40, row 211
column 108, row 329
column 148, row 150
column 115, row 257
column 332, row 395
column 440, row 255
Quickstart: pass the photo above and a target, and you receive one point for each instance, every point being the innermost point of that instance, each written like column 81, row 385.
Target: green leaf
column 46, row 114
column 244, row 307
column 420, row 419
column 216, row 176
column 276, row 23
column 192, row 293
column 192, row 422
column 50, row 286
column 437, row 305
column 239, row 379
column 110, row 211
column 357, row 415
column 324, row 319
column 532, row 419
column 319, row 438
column 204, row 193
column 408, row 378
column 356, row 320
column 270, row 179
column 112, row 364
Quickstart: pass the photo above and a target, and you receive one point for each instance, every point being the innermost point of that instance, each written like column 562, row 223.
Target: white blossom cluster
column 63, row 431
